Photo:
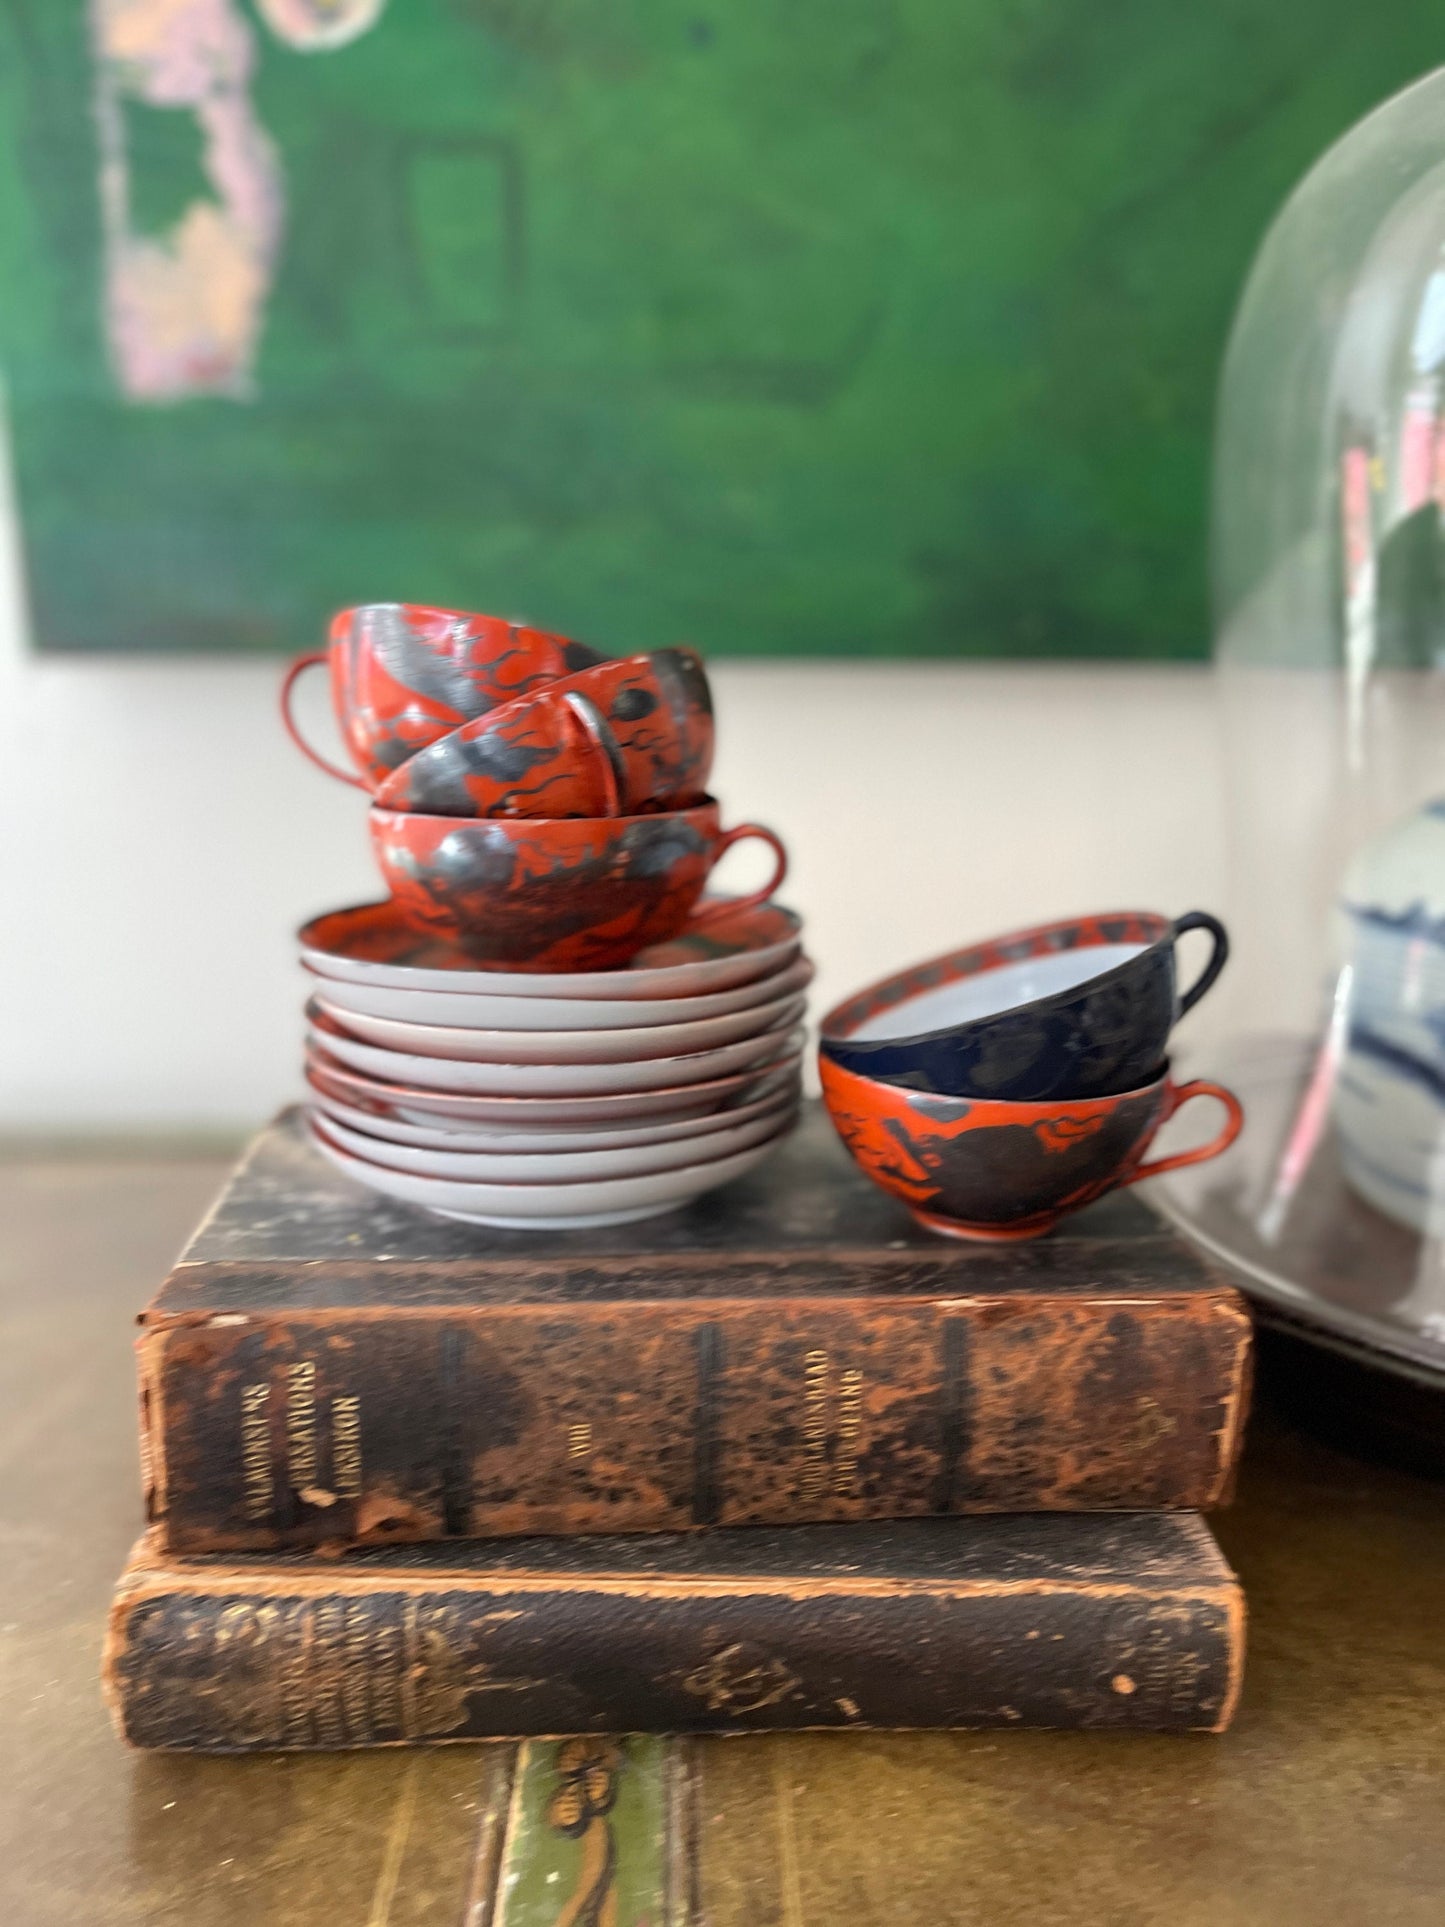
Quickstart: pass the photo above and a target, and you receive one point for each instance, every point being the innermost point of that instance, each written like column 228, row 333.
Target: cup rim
column 348, row 611
column 704, row 804
column 836, row 1027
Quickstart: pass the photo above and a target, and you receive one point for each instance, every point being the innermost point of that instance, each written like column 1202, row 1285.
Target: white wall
column 162, row 840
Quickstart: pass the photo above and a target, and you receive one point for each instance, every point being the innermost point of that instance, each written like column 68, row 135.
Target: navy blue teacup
column 1082, row 1008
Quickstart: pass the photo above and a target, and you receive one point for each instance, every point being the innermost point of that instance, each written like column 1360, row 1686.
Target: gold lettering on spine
column 301, row 1425
column 830, row 1465
column 295, row 1678
column 256, row 1450
column 815, row 1424
column 328, row 1671
column 346, row 1446
column 147, row 1462
column 850, row 1426
column 241, row 1639
column 579, row 1440
column 386, row 1682
column 355, row 1680
column 411, row 1662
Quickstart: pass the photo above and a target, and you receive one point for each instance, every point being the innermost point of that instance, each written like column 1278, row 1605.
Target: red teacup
column 402, row 675
column 570, row 893
column 613, row 740
column 992, row 1168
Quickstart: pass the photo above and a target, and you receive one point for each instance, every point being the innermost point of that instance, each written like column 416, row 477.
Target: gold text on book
column 850, row 1425
column 329, row 1673
column 815, row 1424
column 301, row 1425
column 346, row 1446
column 825, row 1410
column 256, row 1449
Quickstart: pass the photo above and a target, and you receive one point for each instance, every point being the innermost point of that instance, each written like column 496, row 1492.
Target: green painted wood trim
column 598, row 1835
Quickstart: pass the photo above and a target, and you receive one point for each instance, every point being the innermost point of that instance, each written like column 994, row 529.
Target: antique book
column 1119, row 1620
column 326, row 1366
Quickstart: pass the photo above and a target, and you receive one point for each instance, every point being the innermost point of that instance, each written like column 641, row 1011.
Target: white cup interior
column 992, row 991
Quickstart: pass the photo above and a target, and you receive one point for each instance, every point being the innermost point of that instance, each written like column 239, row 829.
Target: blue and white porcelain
column 1389, row 1103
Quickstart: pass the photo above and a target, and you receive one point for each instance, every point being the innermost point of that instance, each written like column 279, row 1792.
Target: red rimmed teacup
column 403, row 674
column 569, row 893
column 996, row 1169
column 613, row 740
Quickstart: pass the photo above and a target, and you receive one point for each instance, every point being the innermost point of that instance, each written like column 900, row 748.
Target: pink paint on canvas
column 184, row 310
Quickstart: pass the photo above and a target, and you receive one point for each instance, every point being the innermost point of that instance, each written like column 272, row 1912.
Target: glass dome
column 1328, row 574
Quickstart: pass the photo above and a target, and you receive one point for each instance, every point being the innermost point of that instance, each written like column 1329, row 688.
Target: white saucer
column 549, row 1207
column 477, row 1010
column 444, row 1135
column 414, row 1105
column 371, row 944
column 551, row 1165
column 545, row 1080
column 558, row 1047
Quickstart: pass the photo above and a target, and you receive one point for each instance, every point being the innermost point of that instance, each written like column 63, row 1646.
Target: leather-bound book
column 326, row 1366
column 1124, row 1621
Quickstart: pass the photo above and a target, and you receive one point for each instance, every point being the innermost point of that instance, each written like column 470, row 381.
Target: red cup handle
column 292, row 677
column 595, row 733
column 1233, row 1125
column 728, row 906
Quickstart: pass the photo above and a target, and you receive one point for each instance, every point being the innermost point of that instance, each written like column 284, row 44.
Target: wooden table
column 1325, row 1802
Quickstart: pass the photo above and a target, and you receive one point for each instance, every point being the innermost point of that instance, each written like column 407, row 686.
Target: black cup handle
column 1201, row 920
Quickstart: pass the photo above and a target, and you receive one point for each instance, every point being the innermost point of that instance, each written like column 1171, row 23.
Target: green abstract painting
column 841, row 327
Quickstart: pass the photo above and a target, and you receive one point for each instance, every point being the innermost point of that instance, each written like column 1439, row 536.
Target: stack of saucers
column 550, row 1101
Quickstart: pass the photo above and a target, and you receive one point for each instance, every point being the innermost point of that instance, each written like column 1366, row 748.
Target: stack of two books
column 777, row 1461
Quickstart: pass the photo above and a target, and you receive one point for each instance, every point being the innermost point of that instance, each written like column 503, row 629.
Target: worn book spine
column 226, row 1656
column 291, row 1429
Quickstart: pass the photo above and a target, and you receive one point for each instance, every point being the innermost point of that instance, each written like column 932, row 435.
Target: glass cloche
column 1328, row 571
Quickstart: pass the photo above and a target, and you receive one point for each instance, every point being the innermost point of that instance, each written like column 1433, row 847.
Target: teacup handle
column 292, row 677
column 1219, row 956
column 728, row 906
column 598, row 734
column 1233, row 1125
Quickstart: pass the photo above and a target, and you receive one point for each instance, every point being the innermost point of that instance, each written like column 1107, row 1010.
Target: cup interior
column 988, row 993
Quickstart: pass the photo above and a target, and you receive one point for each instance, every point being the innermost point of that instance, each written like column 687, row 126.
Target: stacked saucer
column 553, row 1100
